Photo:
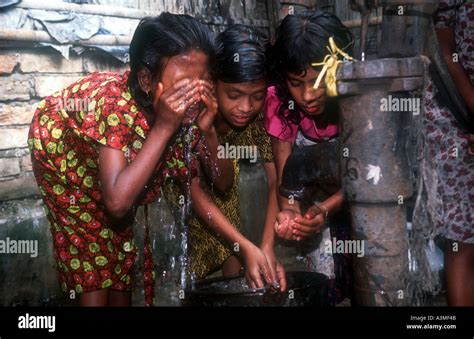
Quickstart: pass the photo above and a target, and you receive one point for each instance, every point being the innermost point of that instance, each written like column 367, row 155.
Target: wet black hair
column 160, row 37
column 242, row 55
column 300, row 40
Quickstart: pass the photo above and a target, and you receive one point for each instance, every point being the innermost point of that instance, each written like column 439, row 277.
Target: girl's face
column 239, row 103
column 311, row 101
column 192, row 65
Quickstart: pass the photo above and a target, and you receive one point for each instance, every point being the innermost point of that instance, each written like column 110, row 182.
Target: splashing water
column 187, row 141
column 216, row 171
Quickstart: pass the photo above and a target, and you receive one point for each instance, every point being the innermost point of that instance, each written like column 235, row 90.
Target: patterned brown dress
column 207, row 250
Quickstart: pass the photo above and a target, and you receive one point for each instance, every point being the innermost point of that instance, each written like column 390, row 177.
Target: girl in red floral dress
column 97, row 146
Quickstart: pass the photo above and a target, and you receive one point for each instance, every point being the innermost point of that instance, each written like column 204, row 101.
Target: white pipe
column 86, row 9
column 42, row 36
column 130, row 13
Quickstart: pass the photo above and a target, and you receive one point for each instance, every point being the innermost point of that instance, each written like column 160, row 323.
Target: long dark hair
column 301, row 39
column 160, row 37
column 242, row 55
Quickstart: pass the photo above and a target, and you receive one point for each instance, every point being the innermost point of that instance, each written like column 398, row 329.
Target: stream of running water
column 186, row 207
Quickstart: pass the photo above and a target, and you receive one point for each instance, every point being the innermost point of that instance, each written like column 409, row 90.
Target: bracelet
column 326, row 212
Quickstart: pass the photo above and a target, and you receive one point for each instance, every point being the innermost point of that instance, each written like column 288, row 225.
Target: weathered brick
column 22, row 187
column 26, row 163
column 8, row 63
column 13, row 88
column 14, row 152
column 47, row 85
column 13, row 137
column 9, row 166
column 16, row 114
column 49, row 63
column 103, row 64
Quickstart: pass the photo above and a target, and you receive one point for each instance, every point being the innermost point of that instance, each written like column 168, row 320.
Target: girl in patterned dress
column 448, row 149
column 241, row 74
column 97, row 149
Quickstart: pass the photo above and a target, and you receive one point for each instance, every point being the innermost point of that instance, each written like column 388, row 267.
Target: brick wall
column 26, row 76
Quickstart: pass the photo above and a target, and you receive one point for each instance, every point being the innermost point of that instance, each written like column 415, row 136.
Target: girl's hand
column 169, row 106
column 276, row 269
column 283, row 224
column 256, row 265
column 311, row 223
column 209, row 112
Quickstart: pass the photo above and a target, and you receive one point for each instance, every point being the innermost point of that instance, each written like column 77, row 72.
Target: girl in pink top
column 297, row 115
column 286, row 130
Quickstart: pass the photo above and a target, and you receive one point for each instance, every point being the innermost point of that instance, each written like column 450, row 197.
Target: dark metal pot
column 304, row 289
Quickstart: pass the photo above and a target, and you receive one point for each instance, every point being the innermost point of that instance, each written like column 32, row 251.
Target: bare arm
column 208, row 211
column 272, row 206
column 268, row 238
column 447, row 44
column 255, row 261
column 334, row 202
column 220, row 171
column 314, row 219
column 121, row 183
column 281, row 152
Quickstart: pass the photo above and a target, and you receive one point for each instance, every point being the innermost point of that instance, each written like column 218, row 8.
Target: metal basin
column 304, row 289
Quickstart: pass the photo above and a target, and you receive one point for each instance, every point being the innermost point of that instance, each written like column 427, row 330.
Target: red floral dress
column 65, row 134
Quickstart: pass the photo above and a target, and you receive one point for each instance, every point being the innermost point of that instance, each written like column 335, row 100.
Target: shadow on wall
column 26, row 279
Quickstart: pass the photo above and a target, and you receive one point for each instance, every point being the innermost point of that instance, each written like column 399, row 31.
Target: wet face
column 192, row 65
column 311, row 101
column 239, row 103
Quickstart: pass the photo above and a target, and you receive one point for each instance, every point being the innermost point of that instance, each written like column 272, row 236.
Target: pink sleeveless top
column 289, row 131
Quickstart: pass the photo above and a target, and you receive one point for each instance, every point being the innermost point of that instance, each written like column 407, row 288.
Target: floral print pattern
column 447, row 143
column 64, row 143
column 448, row 147
column 459, row 15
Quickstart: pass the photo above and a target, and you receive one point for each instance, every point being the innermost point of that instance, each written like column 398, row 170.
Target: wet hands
column 312, row 222
column 282, row 224
column 209, row 111
column 172, row 105
column 290, row 225
column 277, row 270
column 257, row 267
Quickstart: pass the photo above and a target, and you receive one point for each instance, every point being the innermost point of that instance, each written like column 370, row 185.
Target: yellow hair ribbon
column 330, row 64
